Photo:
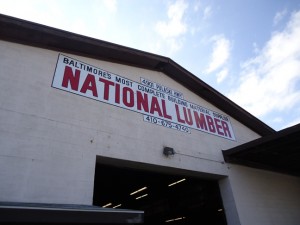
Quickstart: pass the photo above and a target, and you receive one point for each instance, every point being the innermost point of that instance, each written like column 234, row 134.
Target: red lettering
column 218, row 126
column 226, row 129
column 107, row 83
column 142, row 101
column 70, row 78
column 178, row 114
column 188, row 116
column 210, row 124
column 89, row 84
column 163, row 102
column 128, row 97
column 200, row 120
column 117, row 93
column 155, row 106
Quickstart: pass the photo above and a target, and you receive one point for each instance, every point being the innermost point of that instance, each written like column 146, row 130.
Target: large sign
column 159, row 104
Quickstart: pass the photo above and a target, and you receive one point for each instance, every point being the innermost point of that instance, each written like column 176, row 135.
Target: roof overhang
column 38, row 213
column 278, row 152
column 33, row 34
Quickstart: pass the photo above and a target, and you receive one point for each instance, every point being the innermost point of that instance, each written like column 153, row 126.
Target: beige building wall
column 264, row 197
column 50, row 138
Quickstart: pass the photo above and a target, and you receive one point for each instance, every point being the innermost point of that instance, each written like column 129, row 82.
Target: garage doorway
column 165, row 198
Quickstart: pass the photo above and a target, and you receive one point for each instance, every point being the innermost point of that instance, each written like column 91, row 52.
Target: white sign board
column 159, row 104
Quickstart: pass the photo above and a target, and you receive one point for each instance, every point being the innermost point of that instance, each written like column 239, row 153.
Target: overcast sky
column 249, row 50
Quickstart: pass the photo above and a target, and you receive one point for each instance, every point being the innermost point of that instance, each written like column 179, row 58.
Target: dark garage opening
column 164, row 198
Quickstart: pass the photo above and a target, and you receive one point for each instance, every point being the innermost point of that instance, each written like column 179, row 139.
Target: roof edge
column 262, row 140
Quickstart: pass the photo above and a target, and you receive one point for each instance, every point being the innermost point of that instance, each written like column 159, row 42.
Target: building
column 94, row 132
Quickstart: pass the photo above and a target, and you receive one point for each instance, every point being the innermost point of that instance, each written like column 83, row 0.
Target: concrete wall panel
column 265, row 198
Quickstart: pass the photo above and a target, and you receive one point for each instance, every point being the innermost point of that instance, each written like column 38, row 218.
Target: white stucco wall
column 50, row 138
column 265, row 198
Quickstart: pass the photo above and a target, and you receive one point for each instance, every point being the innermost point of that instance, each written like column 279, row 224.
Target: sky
column 248, row 50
